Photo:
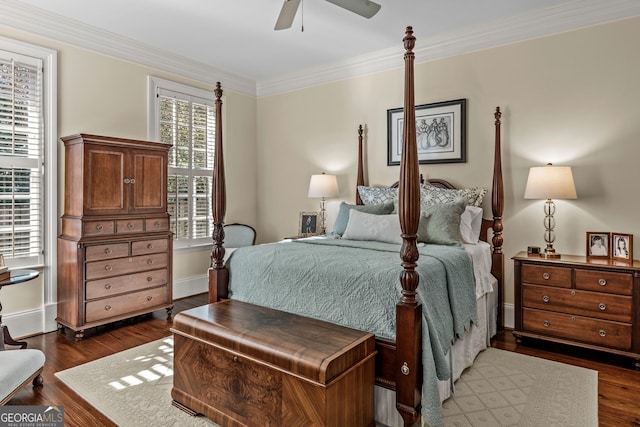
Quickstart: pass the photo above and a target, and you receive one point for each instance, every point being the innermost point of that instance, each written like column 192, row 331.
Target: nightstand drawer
column 604, row 281
column 545, row 275
column 593, row 331
column 584, row 303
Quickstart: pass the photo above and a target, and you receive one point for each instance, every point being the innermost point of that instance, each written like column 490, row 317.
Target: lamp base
column 550, row 255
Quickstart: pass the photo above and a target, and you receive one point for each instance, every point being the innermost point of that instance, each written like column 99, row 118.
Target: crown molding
column 34, row 20
column 551, row 20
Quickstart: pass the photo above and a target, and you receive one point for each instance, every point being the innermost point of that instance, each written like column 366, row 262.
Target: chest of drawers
column 115, row 249
column 585, row 302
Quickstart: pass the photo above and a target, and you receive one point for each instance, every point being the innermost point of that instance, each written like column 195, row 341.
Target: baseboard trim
column 189, row 286
column 509, row 316
column 24, row 323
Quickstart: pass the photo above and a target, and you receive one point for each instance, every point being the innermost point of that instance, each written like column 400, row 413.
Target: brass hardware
column 235, row 358
column 129, row 226
column 149, row 279
column 99, row 227
column 149, row 246
column 108, row 251
column 404, row 369
column 156, row 224
column 149, row 261
column 107, row 286
column 545, row 298
column 602, row 282
column 107, row 307
column 602, row 333
column 602, row 306
column 546, row 323
column 149, row 298
column 108, row 267
column 573, row 293
column 573, row 318
column 546, row 276
column 132, row 180
column 127, row 181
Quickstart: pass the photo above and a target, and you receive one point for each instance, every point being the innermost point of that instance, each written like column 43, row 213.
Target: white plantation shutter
column 21, row 159
column 188, row 123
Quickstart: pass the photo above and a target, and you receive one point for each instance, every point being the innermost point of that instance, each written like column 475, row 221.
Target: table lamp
column 550, row 182
column 323, row 186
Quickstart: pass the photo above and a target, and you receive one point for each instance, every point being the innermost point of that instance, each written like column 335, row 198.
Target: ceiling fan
column 364, row 8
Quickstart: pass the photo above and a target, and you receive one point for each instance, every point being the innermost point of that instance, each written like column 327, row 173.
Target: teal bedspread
column 356, row 284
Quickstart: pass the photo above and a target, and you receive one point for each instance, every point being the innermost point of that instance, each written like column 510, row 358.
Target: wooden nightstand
column 585, row 302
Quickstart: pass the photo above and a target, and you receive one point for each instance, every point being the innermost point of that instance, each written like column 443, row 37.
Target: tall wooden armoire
column 115, row 249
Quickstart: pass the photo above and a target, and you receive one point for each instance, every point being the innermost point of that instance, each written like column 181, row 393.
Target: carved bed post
column 497, row 206
column 218, row 274
column 360, row 179
column 408, row 311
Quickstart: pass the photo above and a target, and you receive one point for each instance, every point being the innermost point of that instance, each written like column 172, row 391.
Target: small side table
column 17, row 276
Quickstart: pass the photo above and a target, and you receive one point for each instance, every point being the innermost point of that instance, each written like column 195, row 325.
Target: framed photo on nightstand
column 622, row 246
column 309, row 224
column 598, row 244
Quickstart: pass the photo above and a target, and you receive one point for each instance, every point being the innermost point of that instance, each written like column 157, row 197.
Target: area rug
column 133, row 388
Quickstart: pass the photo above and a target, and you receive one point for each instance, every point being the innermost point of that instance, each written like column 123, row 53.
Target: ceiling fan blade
column 287, row 13
column 363, row 8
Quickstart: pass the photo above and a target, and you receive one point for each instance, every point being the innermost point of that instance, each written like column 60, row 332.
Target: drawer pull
column 573, row 293
column 150, row 246
column 132, row 180
column 129, row 226
column 546, row 276
column 602, row 306
column 107, row 307
column 602, row 282
column 545, row 298
column 108, row 251
column 149, row 261
column 99, row 227
column 149, row 298
column 573, row 318
column 149, row 279
column 602, row 333
column 235, row 358
column 108, row 267
column 107, row 286
column 156, row 224
column 546, row 323
column 127, row 181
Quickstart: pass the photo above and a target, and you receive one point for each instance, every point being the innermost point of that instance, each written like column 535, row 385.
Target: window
column 21, row 159
column 185, row 117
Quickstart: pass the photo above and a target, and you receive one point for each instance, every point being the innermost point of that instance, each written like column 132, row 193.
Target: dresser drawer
column 546, row 275
column 127, row 283
column 125, row 226
column 149, row 246
column 98, row 228
column 120, row 266
column 127, row 303
column 593, row 331
column 157, row 224
column 604, row 281
column 113, row 250
column 584, row 303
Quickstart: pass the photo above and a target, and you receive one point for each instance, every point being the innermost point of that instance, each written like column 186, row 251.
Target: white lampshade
column 550, row 182
column 323, row 186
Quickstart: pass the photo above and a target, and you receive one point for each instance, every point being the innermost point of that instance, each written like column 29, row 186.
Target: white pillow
column 470, row 224
column 381, row 228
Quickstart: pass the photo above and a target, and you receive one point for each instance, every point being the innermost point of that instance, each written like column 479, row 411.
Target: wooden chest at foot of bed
column 244, row 365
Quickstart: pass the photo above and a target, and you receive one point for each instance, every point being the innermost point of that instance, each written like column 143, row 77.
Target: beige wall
column 101, row 95
column 569, row 99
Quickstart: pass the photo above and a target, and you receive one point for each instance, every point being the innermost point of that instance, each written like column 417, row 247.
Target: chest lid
column 314, row 349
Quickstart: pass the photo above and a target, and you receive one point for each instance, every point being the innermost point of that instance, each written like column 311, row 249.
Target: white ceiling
column 236, row 37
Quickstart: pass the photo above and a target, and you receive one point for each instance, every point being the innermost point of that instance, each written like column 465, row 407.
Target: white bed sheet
column 464, row 351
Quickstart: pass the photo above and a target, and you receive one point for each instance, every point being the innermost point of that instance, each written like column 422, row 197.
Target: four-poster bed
column 399, row 362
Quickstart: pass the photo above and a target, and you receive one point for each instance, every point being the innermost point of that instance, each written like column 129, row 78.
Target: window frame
column 153, row 127
column 49, row 184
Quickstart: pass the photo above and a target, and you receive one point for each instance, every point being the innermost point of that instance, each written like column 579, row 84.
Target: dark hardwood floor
column 618, row 382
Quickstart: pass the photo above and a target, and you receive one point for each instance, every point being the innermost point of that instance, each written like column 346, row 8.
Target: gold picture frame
column 309, row 224
column 622, row 247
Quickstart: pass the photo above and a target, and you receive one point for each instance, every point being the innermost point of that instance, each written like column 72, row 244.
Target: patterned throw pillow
column 377, row 195
column 430, row 195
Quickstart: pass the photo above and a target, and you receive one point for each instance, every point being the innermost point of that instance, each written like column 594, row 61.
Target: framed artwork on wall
column 598, row 244
column 309, row 224
column 441, row 133
column 622, row 246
